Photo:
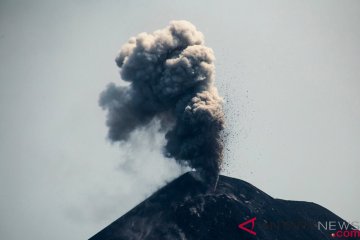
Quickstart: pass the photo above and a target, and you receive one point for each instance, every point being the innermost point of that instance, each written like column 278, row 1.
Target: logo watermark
column 343, row 229
column 338, row 229
column 242, row 226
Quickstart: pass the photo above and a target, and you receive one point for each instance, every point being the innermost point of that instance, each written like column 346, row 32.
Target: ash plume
column 171, row 77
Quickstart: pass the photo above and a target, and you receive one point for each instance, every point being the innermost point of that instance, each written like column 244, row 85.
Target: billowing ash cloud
column 171, row 75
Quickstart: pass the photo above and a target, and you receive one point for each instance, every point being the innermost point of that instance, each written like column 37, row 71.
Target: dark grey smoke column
column 171, row 75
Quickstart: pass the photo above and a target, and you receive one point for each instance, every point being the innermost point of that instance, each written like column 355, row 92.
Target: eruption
column 171, row 77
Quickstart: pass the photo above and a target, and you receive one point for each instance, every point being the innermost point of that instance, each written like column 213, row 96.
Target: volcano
column 186, row 209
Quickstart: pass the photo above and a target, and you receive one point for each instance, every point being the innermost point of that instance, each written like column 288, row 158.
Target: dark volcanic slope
column 184, row 210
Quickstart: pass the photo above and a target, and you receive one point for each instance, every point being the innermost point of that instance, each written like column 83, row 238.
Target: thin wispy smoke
column 171, row 74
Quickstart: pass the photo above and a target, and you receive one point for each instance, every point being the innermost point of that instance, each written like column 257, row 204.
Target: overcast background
column 289, row 71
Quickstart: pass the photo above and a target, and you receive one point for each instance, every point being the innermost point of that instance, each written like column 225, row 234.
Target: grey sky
column 290, row 72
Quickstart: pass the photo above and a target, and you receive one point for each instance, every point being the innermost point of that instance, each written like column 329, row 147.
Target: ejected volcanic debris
column 171, row 77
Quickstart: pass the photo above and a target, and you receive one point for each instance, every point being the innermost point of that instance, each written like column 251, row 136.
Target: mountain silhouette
column 186, row 209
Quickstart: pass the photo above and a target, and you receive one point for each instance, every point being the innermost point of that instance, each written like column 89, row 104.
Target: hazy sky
column 289, row 71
